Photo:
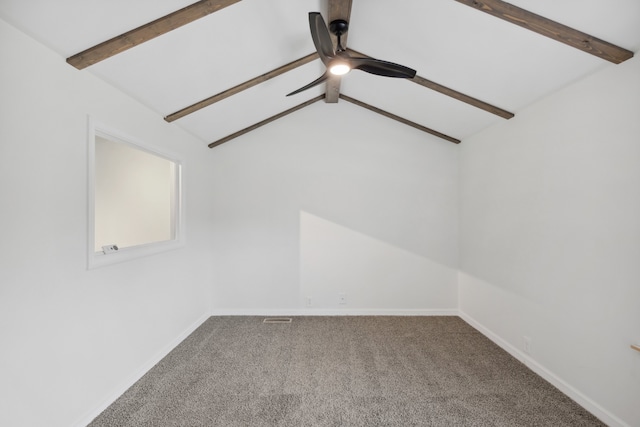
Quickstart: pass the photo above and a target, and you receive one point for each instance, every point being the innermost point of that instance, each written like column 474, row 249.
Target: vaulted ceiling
column 221, row 68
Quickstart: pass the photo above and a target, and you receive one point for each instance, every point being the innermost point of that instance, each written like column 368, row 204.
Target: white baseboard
column 605, row 416
column 140, row 372
column 334, row 312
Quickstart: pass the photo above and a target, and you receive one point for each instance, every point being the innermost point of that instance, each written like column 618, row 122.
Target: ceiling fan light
column 339, row 69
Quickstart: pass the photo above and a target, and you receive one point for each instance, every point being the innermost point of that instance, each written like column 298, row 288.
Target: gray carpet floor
column 341, row 371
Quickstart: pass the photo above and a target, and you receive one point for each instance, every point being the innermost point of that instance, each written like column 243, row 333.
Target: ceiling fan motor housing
column 339, row 26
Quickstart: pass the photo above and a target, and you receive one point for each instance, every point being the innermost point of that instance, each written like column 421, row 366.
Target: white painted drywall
column 550, row 236
column 393, row 187
column 71, row 338
column 340, row 267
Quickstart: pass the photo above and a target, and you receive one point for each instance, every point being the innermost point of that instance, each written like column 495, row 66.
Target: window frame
column 99, row 259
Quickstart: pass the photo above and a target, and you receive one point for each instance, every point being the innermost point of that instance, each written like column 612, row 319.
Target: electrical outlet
column 342, row 298
column 309, row 302
column 526, row 341
column 107, row 249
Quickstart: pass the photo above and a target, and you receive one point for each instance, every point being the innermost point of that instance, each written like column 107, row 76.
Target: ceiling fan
column 338, row 61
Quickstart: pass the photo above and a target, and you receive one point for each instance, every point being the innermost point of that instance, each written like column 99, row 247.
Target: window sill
column 99, row 259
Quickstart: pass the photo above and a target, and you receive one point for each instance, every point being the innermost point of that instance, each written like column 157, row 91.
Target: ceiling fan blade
column 321, row 37
column 382, row 68
column 316, row 82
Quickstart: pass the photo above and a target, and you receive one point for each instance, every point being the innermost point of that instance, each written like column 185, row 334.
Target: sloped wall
column 550, row 232
column 73, row 338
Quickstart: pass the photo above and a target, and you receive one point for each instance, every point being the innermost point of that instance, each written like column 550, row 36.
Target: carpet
column 341, row 371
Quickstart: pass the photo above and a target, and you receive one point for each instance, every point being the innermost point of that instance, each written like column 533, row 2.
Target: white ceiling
column 445, row 41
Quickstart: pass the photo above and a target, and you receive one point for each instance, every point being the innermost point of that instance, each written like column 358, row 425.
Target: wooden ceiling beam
column 242, row 86
column 264, row 122
column 338, row 9
column 400, row 119
column 450, row 92
column 551, row 29
column 462, row 97
column 147, row 32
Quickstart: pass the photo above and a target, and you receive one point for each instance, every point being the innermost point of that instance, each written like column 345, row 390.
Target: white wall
column 550, row 237
column 71, row 338
column 385, row 192
column 361, row 274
